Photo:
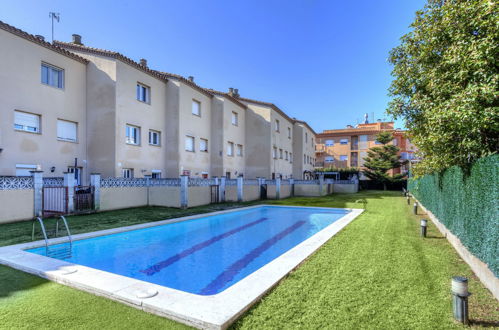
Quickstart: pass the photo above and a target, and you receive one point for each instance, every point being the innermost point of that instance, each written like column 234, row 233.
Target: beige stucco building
column 42, row 106
column 64, row 104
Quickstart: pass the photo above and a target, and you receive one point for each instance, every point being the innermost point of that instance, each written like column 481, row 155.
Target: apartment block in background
column 228, row 143
column 304, row 139
column 269, row 140
column 42, row 107
column 348, row 147
column 126, row 114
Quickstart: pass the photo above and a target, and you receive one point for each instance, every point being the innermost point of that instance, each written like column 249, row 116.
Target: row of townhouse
column 347, row 147
column 66, row 107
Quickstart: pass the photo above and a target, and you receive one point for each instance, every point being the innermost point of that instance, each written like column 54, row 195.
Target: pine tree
column 381, row 159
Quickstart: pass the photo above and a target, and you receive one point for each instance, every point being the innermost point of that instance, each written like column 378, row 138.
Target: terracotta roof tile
column 186, row 81
column 111, row 54
column 227, row 95
column 32, row 38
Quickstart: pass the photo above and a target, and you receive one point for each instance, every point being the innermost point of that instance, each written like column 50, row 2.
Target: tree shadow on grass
column 484, row 324
column 13, row 280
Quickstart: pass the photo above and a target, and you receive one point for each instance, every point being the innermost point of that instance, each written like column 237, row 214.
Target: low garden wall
column 251, row 193
column 164, row 196
column 16, row 205
column 466, row 204
column 307, row 190
column 199, row 196
column 122, row 197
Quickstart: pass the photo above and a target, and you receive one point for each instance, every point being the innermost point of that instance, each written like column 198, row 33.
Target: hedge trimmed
column 467, row 204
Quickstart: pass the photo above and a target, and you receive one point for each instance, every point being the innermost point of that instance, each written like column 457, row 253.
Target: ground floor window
column 156, row 174
column 25, row 169
column 77, row 172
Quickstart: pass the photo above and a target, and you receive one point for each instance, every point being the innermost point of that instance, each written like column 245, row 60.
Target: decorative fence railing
column 231, row 182
column 16, row 182
column 193, row 182
column 53, row 182
column 251, row 182
column 122, row 182
column 270, row 182
column 285, row 182
column 332, row 181
column 170, row 182
column 307, row 181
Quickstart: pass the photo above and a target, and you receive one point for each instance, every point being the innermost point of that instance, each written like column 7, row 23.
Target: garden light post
column 424, row 224
column 408, row 200
column 460, row 294
column 415, row 208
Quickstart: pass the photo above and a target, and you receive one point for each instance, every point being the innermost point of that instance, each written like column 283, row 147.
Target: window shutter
column 26, row 119
column 66, row 130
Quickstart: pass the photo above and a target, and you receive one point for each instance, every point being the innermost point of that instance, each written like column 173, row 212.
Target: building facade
column 66, row 106
column 342, row 148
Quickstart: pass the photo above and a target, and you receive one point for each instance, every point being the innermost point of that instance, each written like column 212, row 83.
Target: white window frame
column 230, row 149
column 49, row 79
column 286, row 155
column 198, row 104
column 235, row 118
column 281, row 154
column 143, row 93
column 19, row 126
column 239, row 150
column 277, row 125
column 290, row 157
column 67, row 139
column 193, row 144
column 153, row 132
column 132, row 139
column 289, row 132
column 306, row 137
column 274, row 152
column 201, row 141
column 127, row 173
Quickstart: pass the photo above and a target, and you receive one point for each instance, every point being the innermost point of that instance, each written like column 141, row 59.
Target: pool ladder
column 63, row 252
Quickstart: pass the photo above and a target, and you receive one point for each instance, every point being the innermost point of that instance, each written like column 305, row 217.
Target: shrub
column 467, row 204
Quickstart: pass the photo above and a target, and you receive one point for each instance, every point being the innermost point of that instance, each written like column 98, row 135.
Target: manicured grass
column 376, row 273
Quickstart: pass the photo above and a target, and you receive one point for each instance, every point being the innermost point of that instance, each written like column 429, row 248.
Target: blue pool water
column 205, row 255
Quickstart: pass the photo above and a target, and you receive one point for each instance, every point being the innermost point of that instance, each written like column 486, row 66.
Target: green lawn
column 376, row 273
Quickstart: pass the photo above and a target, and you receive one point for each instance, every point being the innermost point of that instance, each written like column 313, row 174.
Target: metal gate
column 54, row 201
column 263, row 191
column 214, row 193
column 83, row 199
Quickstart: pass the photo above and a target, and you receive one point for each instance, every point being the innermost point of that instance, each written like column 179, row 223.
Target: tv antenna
column 54, row 16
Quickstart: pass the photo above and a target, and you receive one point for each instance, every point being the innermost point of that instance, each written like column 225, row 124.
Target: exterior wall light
column 460, row 294
column 424, row 224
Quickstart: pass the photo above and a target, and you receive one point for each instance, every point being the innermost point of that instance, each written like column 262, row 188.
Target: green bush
column 467, row 204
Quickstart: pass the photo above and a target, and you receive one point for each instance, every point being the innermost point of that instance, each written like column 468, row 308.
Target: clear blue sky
column 324, row 62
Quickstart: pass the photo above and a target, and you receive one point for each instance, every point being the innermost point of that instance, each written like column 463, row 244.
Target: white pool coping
column 206, row 312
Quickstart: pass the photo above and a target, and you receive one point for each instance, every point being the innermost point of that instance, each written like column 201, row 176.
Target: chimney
column 236, row 92
column 349, row 126
column 191, row 78
column 40, row 37
column 143, row 62
column 77, row 39
column 231, row 91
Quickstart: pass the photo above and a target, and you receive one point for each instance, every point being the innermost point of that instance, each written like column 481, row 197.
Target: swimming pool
column 202, row 270
column 205, row 255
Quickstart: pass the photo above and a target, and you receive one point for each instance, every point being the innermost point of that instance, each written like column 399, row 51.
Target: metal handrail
column 43, row 231
column 67, row 230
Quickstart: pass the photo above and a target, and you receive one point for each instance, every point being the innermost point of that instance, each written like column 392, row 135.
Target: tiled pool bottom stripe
column 217, row 284
column 165, row 263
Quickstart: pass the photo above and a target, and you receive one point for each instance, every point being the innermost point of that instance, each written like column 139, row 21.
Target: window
column 329, row 159
column 143, row 93
column 329, row 143
column 235, row 118
column 304, row 159
column 289, row 132
column 239, row 150
column 66, row 130
column 203, row 145
column 132, row 135
column 189, row 143
column 286, row 155
column 27, row 122
column 127, row 173
column 24, row 169
column 154, row 138
column 196, row 108
column 290, row 157
column 156, row 174
column 277, row 125
column 52, row 76
column 344, row 141
column 230, row 148
column 306, row 137
column 343, row 157
column 280, row 153
column 274, row 153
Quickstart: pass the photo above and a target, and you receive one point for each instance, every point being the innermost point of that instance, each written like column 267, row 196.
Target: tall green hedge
column 468, row 205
